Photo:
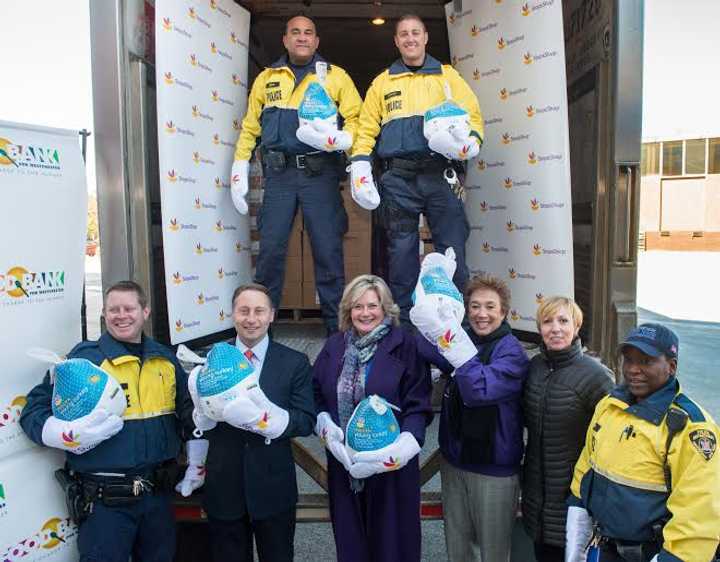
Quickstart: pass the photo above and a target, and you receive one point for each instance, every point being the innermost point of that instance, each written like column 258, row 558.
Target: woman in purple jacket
column 375, row 496
column 481, row 426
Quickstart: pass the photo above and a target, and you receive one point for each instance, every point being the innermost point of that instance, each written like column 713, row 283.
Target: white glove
column 239, row 185
column 322, row 135
column 448, row 264
column 454, row 144
column 439, row 325
column 391, row 457
column 578, row 531
column 255, row 412
column 197, row 450
column 363, row 189
column 333, row 438
column 82, row 434
column 202, row 422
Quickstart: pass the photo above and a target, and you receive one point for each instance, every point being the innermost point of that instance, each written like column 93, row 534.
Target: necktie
column 250, row 355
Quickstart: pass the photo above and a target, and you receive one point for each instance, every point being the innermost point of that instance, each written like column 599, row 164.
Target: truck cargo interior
column 603, row 50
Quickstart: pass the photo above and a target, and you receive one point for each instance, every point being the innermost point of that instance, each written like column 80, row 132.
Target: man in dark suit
column 250, row 487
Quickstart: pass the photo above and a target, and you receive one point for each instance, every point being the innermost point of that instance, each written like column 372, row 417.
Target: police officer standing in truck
column 301, row 165
column 420, row 159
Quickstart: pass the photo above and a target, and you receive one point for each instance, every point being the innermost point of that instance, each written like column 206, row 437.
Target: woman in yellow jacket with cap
column 647, row 484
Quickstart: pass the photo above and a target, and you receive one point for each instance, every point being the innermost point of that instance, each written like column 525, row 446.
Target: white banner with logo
column 518, row 189
column 201, row 70
column 43, row 225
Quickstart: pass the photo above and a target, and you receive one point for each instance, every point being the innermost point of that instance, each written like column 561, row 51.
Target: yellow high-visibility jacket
column 619, row 476
column 396, row 103
column 273, row 105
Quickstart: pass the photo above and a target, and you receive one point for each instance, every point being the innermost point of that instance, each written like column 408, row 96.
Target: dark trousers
column 402, row 201
column 549, row 553
column 610, row 552
column 325, row 221
column 232, row 541
column 144, row 530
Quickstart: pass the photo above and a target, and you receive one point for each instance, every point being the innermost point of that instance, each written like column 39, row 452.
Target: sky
column 46, row 75
column 681, row 71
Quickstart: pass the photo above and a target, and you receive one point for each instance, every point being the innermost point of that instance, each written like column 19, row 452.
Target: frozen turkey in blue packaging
column 372, row 425
column 226, row 373
column 316, row 104
column 80, row 386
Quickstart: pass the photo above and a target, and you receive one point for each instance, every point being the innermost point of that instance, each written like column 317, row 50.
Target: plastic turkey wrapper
column 372, row 426
column 225, row 375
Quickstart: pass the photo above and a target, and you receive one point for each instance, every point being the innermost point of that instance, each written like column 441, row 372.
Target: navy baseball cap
column 653, row 339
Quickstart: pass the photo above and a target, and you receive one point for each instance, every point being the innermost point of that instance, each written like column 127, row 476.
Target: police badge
column 704, row 441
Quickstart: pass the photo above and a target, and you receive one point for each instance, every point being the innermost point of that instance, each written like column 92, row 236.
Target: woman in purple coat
column 481, row 426
column 374, row 496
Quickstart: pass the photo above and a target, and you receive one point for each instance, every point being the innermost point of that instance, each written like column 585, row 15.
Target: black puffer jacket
column 559, row 398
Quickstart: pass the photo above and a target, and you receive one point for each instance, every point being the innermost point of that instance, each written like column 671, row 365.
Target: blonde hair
column 356, row 289
column 551, row 305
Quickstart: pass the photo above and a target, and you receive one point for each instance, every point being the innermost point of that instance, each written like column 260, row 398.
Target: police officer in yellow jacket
column 122, row 471
column 302, row 130
column 422, row 120
column 647, row 484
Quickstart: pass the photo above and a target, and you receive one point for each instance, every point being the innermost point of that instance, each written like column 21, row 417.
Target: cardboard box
column 292, row 296
column 359, row 219
column 310, row 299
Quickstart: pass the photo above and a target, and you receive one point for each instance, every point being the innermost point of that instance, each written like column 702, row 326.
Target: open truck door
column 603, row 50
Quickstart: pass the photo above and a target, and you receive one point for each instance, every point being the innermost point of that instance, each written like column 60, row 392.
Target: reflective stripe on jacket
column 273, row 104
column 619, row 477
column 396, row 103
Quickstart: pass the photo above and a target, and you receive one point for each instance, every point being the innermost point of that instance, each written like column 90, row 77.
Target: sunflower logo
column 201, row 299
column 474, row 30
column 198, row 249
column 525, row 9
column 507, row 183
column 512, row 273
column 167, row 24
column 527, row 58
column 178, row 326
column 532, row 158
column 530, row 111
column 537, row 250
column 193, row 60
column 170, row 127
column 481, row 165
column 236, row 124
column 501, row 44
column 213, row 48
column 486, row 247
column 219, row 226
column 198, row 203
column 504, row 94
column 196, row 157
column 539, row 298
column 220, row 273
column 514, row 315
column 509, row 226
column 483, row 206
column 177, row 278
column 191, row 12
column 505, row 139
column 174, row 226
column 172, row 176
column 476, row 74
column 169, row 78
column 214, row 95
column 534, row 205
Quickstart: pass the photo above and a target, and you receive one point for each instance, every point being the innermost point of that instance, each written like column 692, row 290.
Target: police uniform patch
column 704, row 441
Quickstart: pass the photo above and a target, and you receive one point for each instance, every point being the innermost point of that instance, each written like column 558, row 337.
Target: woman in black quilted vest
column 561, row 391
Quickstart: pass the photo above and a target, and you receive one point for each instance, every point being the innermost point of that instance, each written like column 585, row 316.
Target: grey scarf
column 359, row 350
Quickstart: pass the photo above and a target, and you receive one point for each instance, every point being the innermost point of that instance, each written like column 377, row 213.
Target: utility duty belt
column 313, row 163
column 82, row 490
column 410, row 168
